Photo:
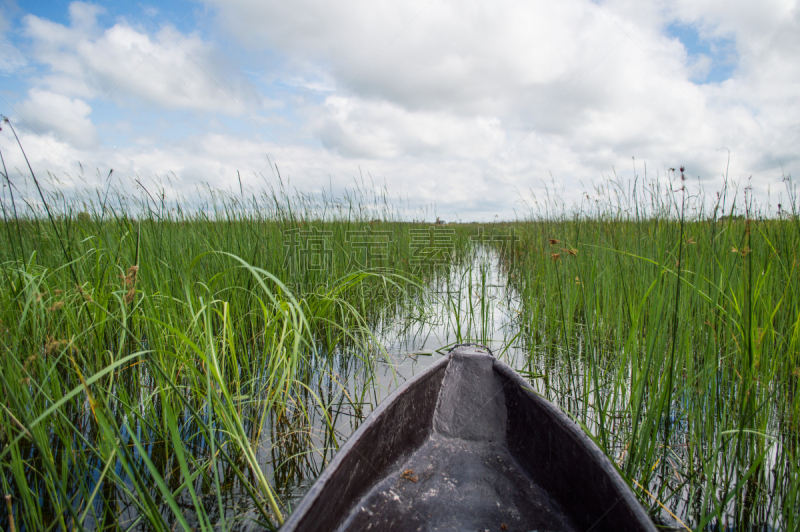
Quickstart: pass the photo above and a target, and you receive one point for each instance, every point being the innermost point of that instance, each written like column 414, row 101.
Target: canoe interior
column 467, row 445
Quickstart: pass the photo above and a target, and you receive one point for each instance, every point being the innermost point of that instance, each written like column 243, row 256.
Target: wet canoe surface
column 467, row 445
column 457, row 485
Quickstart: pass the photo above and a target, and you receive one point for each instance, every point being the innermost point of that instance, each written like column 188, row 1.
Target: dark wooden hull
column 468, row 445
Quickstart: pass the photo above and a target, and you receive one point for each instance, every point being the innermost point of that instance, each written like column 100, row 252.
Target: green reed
column 668, row 328
column 146, row 348
column 160, row 355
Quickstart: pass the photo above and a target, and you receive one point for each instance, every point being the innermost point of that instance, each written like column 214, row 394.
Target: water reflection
column 474, row 303
column 470, row 302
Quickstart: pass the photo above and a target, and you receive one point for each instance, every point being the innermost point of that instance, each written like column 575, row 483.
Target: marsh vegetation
column 173, row 365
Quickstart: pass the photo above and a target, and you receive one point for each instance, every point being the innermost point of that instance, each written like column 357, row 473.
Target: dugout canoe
column 468, row 445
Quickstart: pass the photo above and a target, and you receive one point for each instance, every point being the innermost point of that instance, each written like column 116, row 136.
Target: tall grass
column 669, row 329
column 116, row 395
column 148, row 351
column 172, row 364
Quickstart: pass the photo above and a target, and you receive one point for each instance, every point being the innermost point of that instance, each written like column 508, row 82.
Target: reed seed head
column 130, row 295
column 129, row 279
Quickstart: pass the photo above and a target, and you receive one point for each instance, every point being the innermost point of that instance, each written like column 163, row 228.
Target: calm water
column 413, row 342
column 471, row 303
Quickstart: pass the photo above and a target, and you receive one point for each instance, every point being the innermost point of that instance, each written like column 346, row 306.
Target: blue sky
column 464, row 110
column 719, row 53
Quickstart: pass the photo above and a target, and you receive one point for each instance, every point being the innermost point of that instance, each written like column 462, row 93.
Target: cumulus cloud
column 460, row 57
column 170, row 70
column 461, row 104
column 66, row 119
column 380, row 129
column 574, row 87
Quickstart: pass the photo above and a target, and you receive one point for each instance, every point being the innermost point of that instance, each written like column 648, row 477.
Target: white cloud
column 462, row 104
column 170, row 70
column 66, row 119
column 464, row 57
column 380, row 129
column 590, row 84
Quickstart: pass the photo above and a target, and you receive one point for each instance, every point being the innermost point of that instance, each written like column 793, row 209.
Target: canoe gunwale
column 626, row 496
column 600, row 500
column 295, row 520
